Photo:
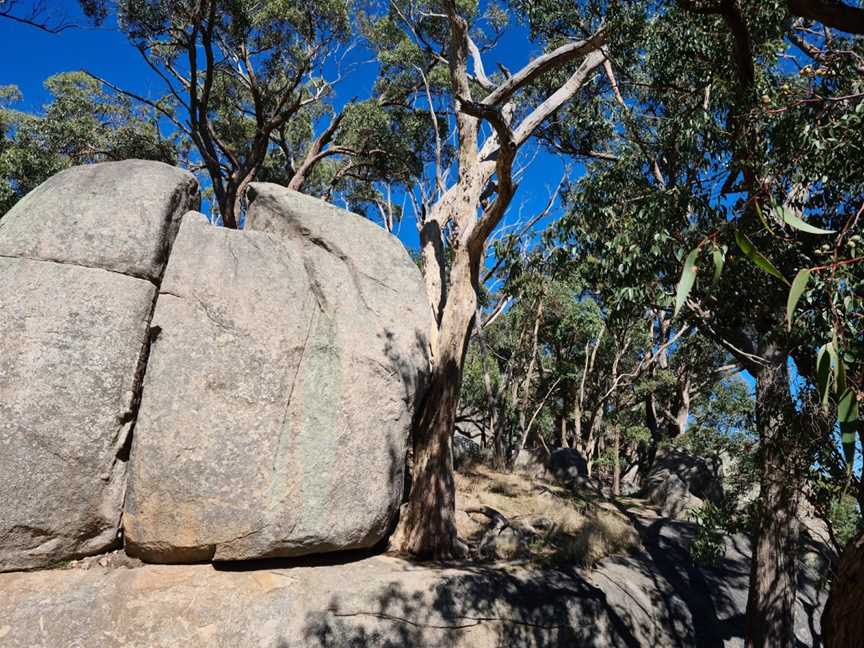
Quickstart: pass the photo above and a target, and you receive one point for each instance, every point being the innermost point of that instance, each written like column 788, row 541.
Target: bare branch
column 160, row 109
column 563, row 94
column 543, row 64
column 479, row 71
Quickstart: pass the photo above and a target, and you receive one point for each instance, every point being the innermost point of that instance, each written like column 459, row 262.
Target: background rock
column 73, row 343
column 466, row 452
column 655, row 597
column 279, row 392
column 567, row 464
column 532, row 462
column 678, row 482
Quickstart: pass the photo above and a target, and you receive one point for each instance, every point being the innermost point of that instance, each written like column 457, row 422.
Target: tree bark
column 427, row 524
column 616, row 470
column 843, row 618
column 773, row 583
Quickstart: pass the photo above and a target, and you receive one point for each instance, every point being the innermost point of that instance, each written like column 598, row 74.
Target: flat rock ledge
column 652, row 597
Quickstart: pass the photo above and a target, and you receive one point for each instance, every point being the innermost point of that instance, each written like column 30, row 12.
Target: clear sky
column 29, row 56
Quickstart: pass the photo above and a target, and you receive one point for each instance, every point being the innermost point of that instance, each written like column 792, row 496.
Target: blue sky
column 30, row 56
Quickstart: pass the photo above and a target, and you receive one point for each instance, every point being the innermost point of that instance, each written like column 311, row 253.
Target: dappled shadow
column 704, row 605
column 471, row 605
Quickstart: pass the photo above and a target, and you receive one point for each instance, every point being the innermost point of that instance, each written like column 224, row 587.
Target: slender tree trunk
column 653, row 426
column 531, row 440
column 773, row 586
column 491, row 397
column 682, row 410
column 592, row 442
column 616, row 474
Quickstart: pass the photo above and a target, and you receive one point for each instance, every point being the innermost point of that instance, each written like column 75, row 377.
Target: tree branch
column 834, row 14
column 543, row 64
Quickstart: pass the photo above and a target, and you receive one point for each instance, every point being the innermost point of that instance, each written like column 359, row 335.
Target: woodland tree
column 460, row 212
column 719, row 158
column 247, row 83
column 82, row 123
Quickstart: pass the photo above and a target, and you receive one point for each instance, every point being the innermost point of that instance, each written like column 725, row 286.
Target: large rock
column 532, row 462
column 678, row 482
column 119, row 216
column 279, row 392
column 73, row 344
column 466, row 452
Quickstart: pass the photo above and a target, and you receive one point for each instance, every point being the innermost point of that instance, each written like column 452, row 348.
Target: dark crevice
column 133, row 275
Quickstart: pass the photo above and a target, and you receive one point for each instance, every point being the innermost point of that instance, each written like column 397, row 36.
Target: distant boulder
column 678, row 482
column 532, row 462
column 567, row 465
column 466, row 452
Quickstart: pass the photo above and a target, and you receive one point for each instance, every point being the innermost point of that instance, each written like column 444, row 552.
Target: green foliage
column 82, row 123
column 845, row 518
column 708, row 544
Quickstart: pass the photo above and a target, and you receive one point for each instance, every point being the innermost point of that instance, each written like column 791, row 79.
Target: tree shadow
column 472, row 605
column 704, row 605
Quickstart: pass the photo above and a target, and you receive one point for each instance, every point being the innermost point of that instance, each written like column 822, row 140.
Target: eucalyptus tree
column 251, row 84
column 717, row 158
column 442, row 65
column 40, row 15
column 83, row 122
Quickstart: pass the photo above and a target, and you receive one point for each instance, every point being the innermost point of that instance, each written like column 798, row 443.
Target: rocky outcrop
column 79, row 257
column 655, row 597
column 280, row 389
column 466, row 452
column 532, row 462
column 567, row 465
column 267, row 404
column 118, row 216
column 678, row 482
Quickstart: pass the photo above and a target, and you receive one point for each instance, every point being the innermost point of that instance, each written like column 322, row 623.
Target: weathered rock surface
column 532, row 462
column 678, row 482
column 280, row 389
column 653, row 598
column 119, row 216
column 667, row 599
column 74, row 319
column 466, row 452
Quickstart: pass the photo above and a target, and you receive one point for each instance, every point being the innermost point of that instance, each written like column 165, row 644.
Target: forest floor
column 553, row 525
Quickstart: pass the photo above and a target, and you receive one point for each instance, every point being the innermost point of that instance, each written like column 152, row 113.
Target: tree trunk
column 773, row 586
column 531, row 440
column 228, row 208
column 616, row 470
column 682, row 409
column 843, row 619
column 427, row 523
column 592, row 442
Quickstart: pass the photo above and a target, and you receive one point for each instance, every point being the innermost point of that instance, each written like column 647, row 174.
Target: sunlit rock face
column 280, row 389
column 198, row 393
column 80, row 259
